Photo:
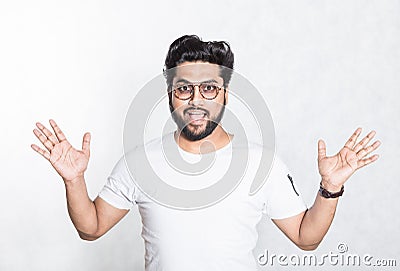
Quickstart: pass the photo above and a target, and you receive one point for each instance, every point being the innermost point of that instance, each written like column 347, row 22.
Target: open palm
column 338, row 168
column 69, row 162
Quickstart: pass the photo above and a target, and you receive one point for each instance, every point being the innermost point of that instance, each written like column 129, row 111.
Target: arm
column 307, row 229
column 91, row 218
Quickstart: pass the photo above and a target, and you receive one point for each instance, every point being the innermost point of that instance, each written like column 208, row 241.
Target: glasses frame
column 201, row 92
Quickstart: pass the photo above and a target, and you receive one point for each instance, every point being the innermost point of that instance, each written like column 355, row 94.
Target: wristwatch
column 329, row 195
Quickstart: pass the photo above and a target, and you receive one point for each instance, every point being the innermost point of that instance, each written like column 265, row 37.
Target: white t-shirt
column 219, row 237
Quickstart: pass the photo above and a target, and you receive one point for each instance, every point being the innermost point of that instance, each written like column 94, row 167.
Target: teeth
column 196, row 116
column 197, row 113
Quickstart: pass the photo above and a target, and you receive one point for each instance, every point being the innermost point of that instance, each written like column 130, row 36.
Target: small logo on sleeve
column 291, row 181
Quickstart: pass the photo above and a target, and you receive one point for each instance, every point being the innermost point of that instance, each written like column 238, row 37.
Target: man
column 223, row 235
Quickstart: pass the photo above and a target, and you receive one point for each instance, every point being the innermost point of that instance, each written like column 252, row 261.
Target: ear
column 226, row 95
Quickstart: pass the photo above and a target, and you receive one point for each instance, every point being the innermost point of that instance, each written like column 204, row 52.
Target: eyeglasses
column 208, row 91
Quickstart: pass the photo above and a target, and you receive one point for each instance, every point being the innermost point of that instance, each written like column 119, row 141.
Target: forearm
column 317, row 220
column 81, row 208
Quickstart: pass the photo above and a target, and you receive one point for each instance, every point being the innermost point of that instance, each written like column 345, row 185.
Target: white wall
column 324, row 67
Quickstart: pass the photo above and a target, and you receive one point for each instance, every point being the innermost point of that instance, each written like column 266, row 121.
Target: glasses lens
column 184, row 92
column 209, row 91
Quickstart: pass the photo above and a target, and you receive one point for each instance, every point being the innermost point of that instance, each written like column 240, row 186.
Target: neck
column 215, row 141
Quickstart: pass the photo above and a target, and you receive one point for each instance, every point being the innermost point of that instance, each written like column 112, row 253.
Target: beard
column 196, row 132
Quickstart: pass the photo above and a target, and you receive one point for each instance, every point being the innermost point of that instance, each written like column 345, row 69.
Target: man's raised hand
column 335, row 170
column 69, row 162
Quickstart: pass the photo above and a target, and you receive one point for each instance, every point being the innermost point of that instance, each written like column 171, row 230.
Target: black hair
column 192, row 48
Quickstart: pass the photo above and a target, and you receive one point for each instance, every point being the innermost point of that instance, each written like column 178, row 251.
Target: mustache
column 197, row 109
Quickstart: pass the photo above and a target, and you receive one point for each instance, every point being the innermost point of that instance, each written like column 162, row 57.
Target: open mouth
column 196, row 116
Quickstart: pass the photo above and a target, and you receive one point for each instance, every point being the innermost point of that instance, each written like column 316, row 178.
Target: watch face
column 325, row 193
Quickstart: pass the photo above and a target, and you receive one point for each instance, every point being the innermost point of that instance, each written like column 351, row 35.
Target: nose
column 197, row 98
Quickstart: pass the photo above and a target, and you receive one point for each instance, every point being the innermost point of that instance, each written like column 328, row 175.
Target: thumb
column 321, row 149
column 86, row 143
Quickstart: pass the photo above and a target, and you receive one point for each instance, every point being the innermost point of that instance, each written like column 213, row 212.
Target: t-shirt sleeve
column 119, row 190
column 283, row 196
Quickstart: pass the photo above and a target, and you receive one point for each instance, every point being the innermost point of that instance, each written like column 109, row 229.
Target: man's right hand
column 69, row 162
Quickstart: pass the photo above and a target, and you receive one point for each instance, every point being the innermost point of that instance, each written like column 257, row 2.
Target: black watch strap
column 329, row 195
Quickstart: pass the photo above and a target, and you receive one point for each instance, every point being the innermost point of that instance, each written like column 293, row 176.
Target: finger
column 59, row 134
column 42, row 152
column 364, row 152
column 321, row 149
column 364, row 141
column 47, row 143
column 47, row 133
column 353, row 139
column 364, row 162
column 86, row 143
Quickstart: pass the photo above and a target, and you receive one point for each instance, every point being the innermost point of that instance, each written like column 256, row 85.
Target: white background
column 324, row 67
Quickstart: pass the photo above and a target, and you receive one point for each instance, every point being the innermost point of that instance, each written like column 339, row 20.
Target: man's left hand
column 335, row 170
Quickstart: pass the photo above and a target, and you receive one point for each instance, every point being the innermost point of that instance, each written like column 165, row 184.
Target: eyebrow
column 202, row 82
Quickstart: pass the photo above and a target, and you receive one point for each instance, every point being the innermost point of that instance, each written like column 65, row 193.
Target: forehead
column 197, row 72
